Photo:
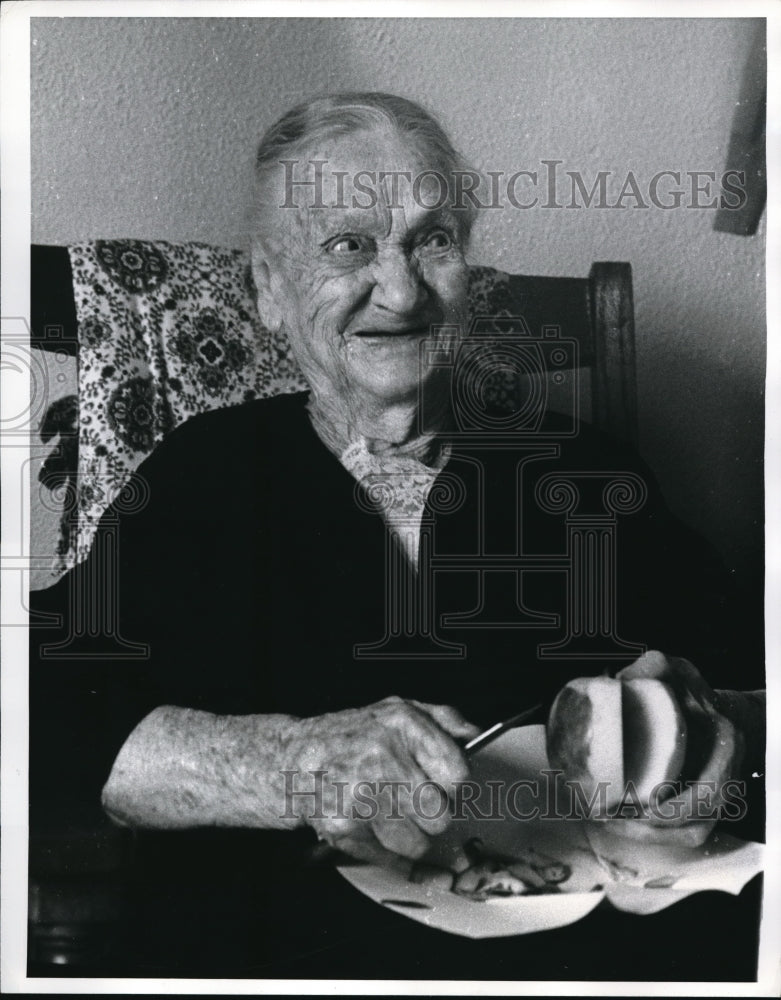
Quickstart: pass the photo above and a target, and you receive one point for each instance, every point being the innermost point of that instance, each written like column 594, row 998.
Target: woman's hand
column 379, row 787
column 714, row 755
column 383, row 773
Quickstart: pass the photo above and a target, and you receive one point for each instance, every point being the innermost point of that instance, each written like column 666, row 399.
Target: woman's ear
column 268, row 310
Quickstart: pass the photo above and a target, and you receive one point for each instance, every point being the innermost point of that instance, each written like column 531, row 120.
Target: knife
column 490, row 734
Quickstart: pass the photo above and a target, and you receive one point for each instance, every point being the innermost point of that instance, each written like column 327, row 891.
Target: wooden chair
column 598, row 312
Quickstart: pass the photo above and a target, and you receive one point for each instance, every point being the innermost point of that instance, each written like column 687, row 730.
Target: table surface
column 240, row 905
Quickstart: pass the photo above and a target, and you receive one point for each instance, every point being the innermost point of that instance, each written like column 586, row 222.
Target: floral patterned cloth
column 167, row 331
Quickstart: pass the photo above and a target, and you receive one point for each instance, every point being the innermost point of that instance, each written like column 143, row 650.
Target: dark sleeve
column 115, row 637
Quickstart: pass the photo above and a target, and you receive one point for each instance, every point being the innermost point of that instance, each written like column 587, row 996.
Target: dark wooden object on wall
column 747, row 142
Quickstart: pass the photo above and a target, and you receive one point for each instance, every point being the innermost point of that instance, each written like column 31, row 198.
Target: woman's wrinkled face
column 357, row 287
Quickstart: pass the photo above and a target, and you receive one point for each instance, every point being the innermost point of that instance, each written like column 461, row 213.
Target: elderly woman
column 259, row 571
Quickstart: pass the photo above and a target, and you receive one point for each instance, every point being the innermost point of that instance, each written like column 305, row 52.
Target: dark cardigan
column 251, row 568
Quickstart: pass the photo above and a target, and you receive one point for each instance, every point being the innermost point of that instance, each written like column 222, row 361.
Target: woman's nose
column 399, row 286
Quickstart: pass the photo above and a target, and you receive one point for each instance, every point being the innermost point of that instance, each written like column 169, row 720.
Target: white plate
column 520, row 806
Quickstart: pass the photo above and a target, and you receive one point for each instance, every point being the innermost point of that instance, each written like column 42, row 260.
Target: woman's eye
column 346, row 245
column 439, row 239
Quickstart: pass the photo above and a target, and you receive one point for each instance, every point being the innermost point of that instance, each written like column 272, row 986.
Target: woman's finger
column 647, row 832
column 651, row 664
column 405, row 792
column 683, row 677
column 450, row 719
column 426, row 804
column 702, row 798
column 400, row 835
column 435, row 751
column 365, row 847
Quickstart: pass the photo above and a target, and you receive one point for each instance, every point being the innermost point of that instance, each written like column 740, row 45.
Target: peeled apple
column 655, row 734
column 585, row 735
column 602, row 729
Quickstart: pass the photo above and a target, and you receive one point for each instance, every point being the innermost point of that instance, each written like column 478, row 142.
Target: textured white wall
column 145, row 128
